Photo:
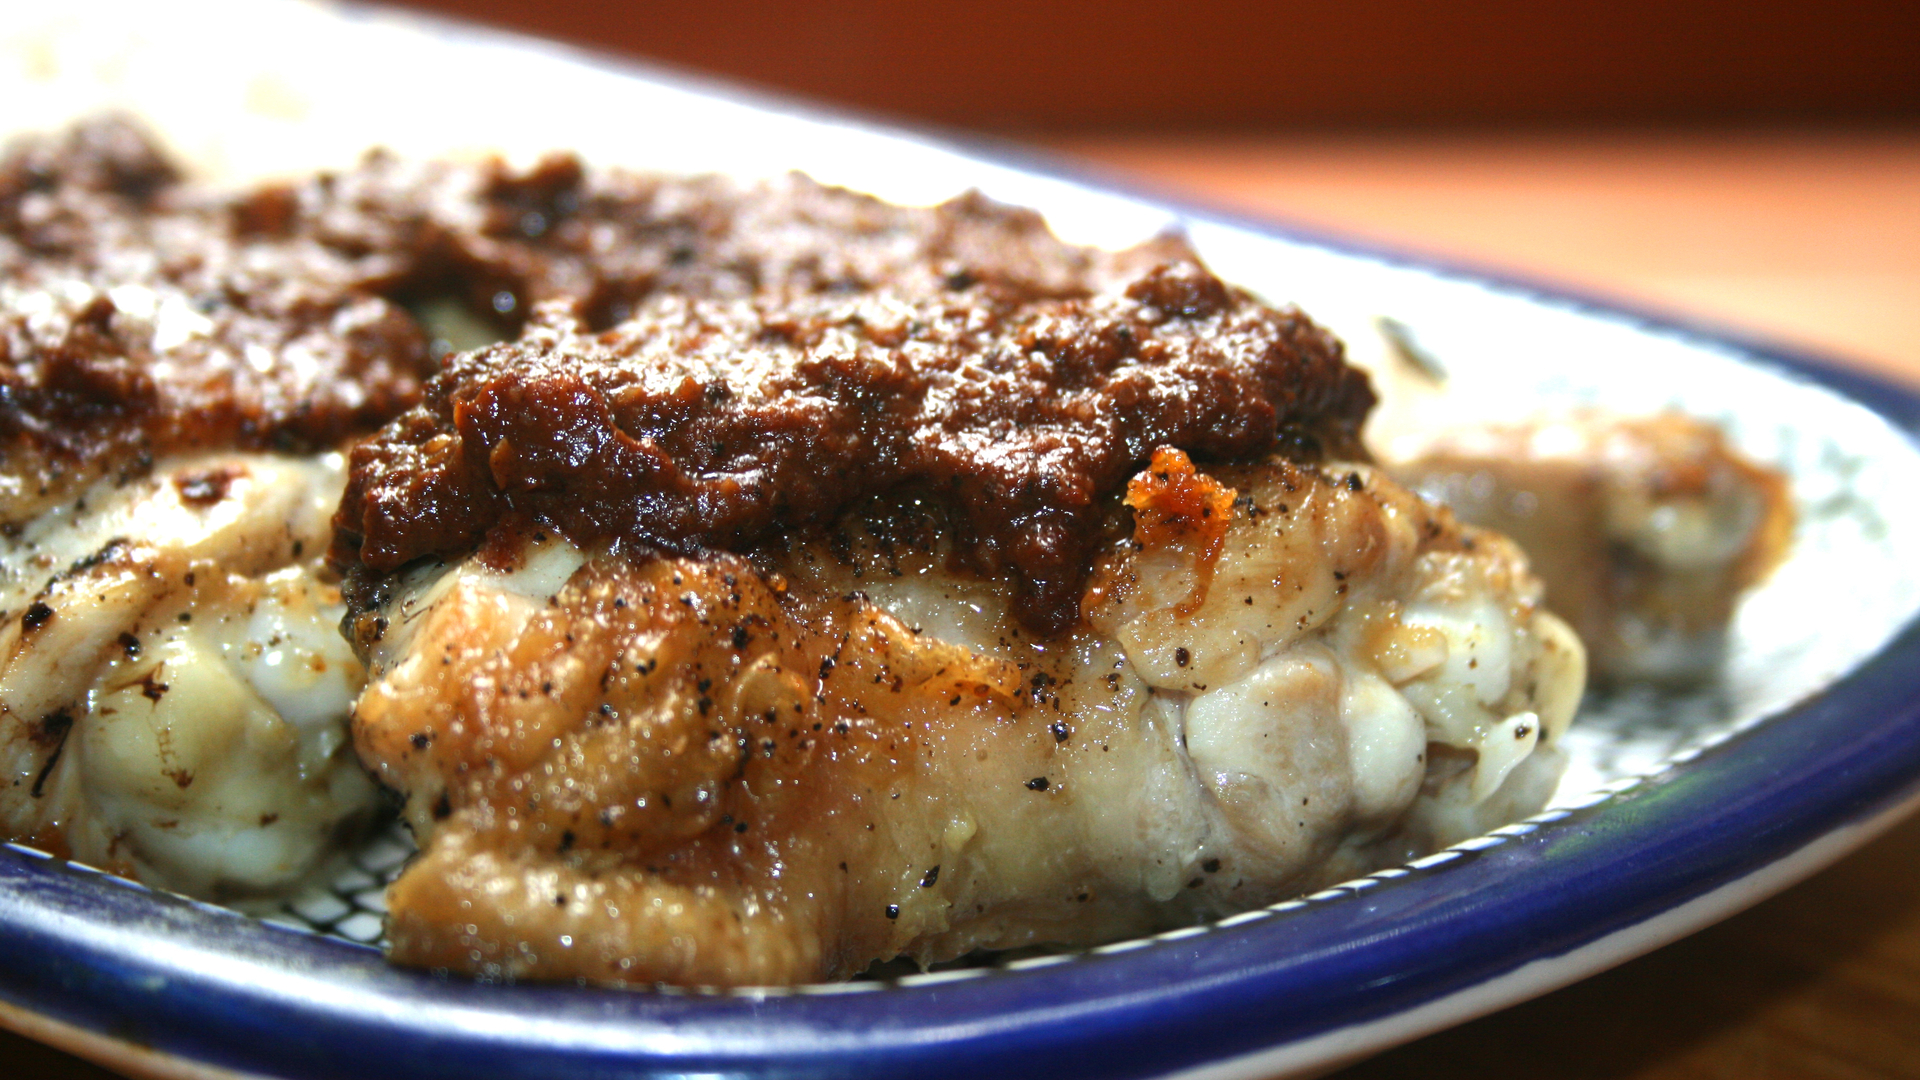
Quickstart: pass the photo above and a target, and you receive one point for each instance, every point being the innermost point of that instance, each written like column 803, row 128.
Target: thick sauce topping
column 140, row 316
column 710, row 424
column 135, row 323
column 712, row 363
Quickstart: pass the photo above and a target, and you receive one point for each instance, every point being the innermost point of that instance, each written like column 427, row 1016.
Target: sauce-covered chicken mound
column 701, row 425
column 179, row 369
column 802, row 582
column 758, row 639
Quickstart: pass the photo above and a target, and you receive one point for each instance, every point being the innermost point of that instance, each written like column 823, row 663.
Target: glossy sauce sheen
column 137, row 320
column 710, row 424
column 141, row 315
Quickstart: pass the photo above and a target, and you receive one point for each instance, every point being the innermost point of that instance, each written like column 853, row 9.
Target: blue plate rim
column 206, row 985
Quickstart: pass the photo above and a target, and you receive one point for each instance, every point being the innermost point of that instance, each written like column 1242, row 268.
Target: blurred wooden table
column 1813, row 238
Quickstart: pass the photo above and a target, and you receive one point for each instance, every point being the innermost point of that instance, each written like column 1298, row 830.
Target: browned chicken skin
column 730, row 771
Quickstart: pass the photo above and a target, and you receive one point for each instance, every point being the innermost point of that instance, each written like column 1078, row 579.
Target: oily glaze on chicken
column 754, row 642
column 172, row 698
column 173, row 690
column 727, row 770
column 1645, row 529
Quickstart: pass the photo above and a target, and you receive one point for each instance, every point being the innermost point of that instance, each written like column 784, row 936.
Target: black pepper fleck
column 37, row 615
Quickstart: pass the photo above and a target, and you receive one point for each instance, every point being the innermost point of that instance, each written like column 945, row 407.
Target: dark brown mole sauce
column 140, row 315
column 694, row 363
column 137, row 318
column 703, row 423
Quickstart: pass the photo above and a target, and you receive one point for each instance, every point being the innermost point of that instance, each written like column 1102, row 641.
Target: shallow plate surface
column 1678, row 810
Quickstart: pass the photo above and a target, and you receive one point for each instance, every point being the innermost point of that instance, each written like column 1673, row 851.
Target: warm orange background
column 1211, row 63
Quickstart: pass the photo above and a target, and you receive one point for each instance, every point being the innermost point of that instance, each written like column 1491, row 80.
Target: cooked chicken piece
column 631, row 767
column 173, row 693
column 173, row 689
column 968, row 678
column 1646, row 530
